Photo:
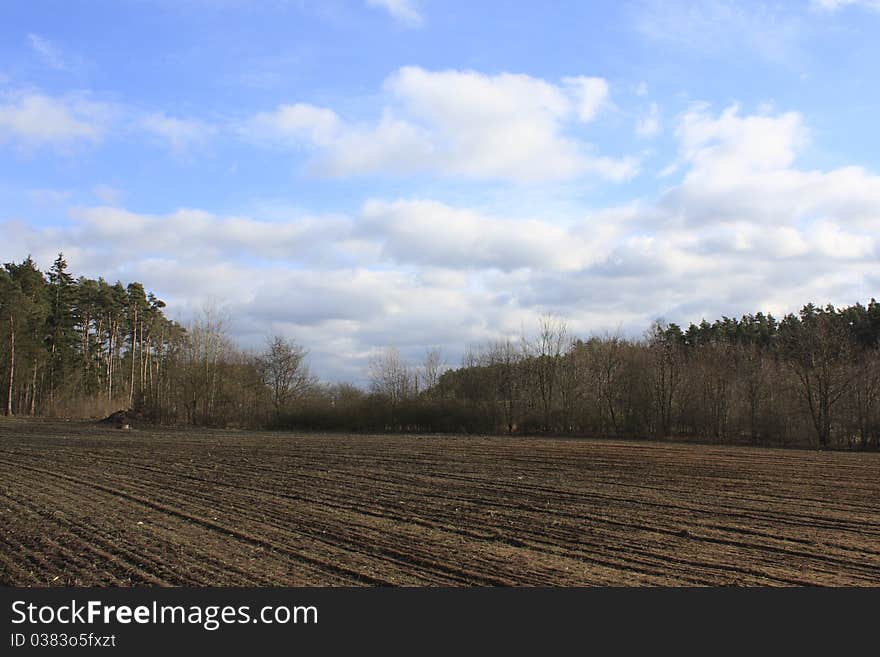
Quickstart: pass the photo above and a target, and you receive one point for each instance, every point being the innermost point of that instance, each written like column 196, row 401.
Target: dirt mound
column 119, row 419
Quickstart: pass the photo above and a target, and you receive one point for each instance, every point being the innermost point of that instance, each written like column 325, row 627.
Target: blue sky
column 366, row 173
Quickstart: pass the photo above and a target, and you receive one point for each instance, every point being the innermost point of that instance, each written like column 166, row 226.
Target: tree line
column 83, row 347
column 79, row 347
column 811, row 378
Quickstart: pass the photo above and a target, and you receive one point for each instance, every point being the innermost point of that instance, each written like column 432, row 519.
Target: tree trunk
column 33, row 409
column 110, row 348
column 11, row 365
column 133, row 361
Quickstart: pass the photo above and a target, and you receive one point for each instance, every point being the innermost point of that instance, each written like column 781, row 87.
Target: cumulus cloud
column 198, row 235
column 742, row 229
column 736, row 144
column 741, row 168
column 404, row 11
column 731, row 143
column 457, row 123
column 429, row 233
column 345, row 149
column 402, row 233
column 296, row 123
column 34, row 119
column 504, row 126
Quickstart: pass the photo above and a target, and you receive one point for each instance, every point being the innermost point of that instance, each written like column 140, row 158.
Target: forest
column 83, row 348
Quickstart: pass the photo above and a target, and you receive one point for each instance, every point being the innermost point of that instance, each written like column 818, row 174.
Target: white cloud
column 591, row 95
column 429, row 233
column 191, row 233
column 179, row 134
column 743, row 229
column 456, row 123
column 649, row 125
column 404, row 11
column 295, row 123
column 343, row 149
column 34, row 119
column 504, row 126
column 729, row 147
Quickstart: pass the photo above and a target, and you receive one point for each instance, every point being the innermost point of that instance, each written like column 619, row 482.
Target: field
column 88, row 505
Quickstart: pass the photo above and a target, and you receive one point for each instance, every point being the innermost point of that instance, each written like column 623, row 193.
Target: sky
column 361, row 174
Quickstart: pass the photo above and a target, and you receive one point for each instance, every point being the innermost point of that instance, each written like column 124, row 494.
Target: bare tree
column 284, row 370
column 666, row 375
column 391, row 376
column 432, row 367
column 205, row 348
column 820, row 352
column 546, row 353
column 752, row 370
column 505, row 360
column 865, row 398
column 605, row 364
column 713, row 370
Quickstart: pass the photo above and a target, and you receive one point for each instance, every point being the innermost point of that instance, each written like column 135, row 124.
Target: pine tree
column 60, row 326
column 32, row 312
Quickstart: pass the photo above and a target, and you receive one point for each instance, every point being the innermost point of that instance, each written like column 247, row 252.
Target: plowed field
column 86, row 505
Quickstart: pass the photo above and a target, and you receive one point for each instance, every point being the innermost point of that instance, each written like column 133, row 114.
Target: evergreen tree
column 31, row 315
column 60, row 327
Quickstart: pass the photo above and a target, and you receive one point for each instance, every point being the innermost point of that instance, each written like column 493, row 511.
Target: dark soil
column 85, row 505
